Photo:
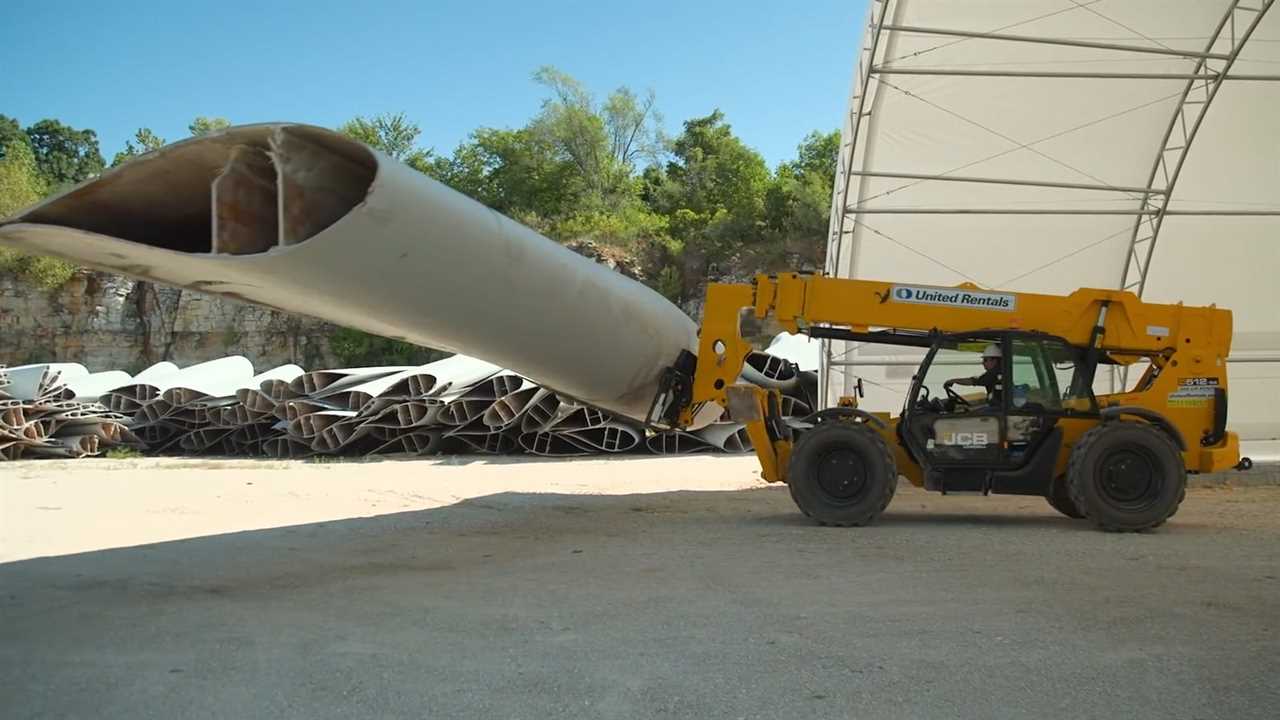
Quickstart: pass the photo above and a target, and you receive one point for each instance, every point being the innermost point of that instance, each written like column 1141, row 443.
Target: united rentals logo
column 951, row 297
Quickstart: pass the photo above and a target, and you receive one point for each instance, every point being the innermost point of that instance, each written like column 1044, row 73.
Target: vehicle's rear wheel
column 842, row 473
column 1126, row 476
column 1060, row 499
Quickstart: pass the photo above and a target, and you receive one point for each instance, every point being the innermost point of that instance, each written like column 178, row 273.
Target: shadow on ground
column 679, row 604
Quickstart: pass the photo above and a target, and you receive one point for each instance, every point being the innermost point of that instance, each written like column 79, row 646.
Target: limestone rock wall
column 107, row 322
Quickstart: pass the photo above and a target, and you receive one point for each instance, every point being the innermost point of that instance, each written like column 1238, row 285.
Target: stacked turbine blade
column 179, row 408
column 457, row 405
column 45, row 381
column 41, row 414
column 218, row 407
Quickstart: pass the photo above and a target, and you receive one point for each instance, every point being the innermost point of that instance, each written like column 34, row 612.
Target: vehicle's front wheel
column 1060, row 499
column 1126, row 476
column 842, row 473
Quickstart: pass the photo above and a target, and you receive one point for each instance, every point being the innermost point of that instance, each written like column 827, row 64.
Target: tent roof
column 1035, row 129
column 1047, row 145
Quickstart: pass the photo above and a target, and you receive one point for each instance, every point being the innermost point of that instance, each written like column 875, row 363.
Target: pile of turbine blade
column 459, row 405
column 213, row 408
column 51, row 410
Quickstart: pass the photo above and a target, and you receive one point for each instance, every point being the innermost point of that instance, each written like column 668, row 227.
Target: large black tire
column 1060, row 499
column 842, row 473
column 1126, row 476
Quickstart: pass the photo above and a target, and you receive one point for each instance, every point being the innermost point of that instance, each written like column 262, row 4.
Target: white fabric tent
column 1047, row 145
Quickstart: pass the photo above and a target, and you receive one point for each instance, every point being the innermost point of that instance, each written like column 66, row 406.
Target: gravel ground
column 626, row 588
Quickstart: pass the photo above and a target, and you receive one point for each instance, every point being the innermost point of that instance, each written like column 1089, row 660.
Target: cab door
column 957, row 437
column 1044, row 373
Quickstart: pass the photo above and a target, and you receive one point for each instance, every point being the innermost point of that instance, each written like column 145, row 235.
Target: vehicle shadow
column 894, row 518
column 940, row 517
column 501, row 527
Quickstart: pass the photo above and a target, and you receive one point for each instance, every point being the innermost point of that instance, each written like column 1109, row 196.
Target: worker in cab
column 989, row 379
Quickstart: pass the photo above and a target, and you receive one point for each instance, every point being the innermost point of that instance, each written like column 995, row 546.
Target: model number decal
column 1199, row 382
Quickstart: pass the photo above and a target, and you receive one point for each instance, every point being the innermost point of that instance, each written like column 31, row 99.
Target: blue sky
column 777, row 70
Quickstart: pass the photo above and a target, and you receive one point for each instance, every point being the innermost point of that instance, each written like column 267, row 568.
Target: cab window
column 1048, row 376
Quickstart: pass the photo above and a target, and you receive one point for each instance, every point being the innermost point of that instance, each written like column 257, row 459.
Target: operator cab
column 984, row 410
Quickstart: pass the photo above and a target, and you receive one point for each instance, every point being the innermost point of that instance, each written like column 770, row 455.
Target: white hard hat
column 992, row 351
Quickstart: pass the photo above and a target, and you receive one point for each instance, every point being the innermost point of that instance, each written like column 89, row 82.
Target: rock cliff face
column 107, row 322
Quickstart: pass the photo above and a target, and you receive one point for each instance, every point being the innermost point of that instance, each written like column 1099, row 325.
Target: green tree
column 20, row 187
column 816, row 155
column 147, row 141
column 604, row 143
column 516, row 172
column 634, row 127
column 204, row 125
column 570, row 172
column 20, row 182
column 11, row 132
column 63, row 154
column 712, row 194
column 570, row 124
column 626, row 227
column 798, row 206
column 393, row 135
column 520, row 174
column 714, row 170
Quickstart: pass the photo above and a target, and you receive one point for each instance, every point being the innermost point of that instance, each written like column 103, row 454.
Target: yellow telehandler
column 1035, row 428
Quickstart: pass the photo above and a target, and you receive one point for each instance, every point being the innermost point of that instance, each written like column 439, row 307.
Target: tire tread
column 886, row 456
column 1076, row 477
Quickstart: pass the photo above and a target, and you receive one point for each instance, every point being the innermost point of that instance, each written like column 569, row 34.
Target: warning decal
column 1192, row 394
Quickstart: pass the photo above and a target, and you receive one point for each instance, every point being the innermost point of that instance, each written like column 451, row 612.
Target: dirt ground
column 644, row 587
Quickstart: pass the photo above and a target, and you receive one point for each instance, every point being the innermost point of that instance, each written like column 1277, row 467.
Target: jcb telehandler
column 1121, row 460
